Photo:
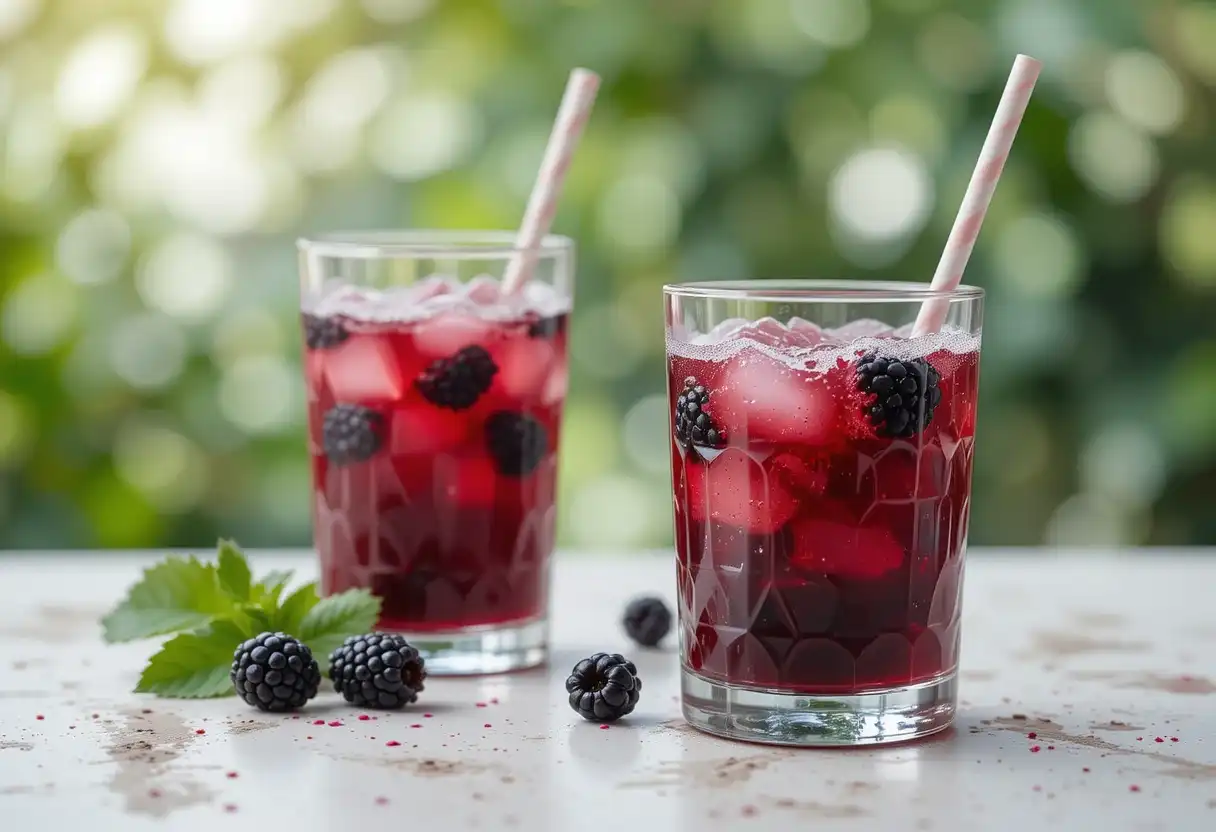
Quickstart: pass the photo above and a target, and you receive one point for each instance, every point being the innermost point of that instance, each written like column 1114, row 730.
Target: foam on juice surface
column 432, row 297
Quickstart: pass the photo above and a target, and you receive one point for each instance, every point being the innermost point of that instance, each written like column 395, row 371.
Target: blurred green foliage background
column 158, row 158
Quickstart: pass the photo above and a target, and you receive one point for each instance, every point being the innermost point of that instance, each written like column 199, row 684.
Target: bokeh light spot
column 1124, row 463
column 955, row 51
column 880, row 195
column 166, row 467
column 1188, row 231
column 93, row 246
column 261, row 394
column 646, row 435
column 833, row 23
column 1144, row 90
column 15, row 15
column 1194, row 33
column 100, row 74
column 148, row 351
column 1112, row 157
column 186, row 275
column 39, row 314
column 639, row 214
column 1040, row 256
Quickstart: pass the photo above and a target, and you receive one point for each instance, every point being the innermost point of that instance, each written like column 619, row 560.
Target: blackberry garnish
column 350, row 433
column 604, row 687
column 377, row 670
column 323, row 333
column 274, row 672
column 693, row 425
column 647, row 620
column 517, row 442
column 547, row 328
column 905, row 394
column 457, row 382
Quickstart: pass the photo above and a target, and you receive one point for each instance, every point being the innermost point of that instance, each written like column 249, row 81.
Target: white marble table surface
column 1098, row 654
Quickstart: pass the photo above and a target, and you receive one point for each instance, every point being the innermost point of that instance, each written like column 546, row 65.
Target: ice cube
column 844, row 548
column 812, row 334
column 425, row 429
column 557, row 384
column 861, row 328
column 523, row 367
column 434, row 286
column 363, row 370
column 736, row 490
column 544, row 298
column 764, row 399
column 483, row 290
column 445, row 334
column 725, row 330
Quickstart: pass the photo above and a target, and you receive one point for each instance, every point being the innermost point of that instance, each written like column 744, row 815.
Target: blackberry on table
column 905, row 394
column 322, row 333
column 604, row 687
column 377, row 670
column 351, row 433
column 647, row 620
column 693, row 425
column 457, row 382
column 274, row 672
column 516, row 442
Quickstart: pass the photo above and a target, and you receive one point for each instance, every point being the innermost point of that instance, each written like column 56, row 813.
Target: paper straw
column 572, row 116
column 979, row 192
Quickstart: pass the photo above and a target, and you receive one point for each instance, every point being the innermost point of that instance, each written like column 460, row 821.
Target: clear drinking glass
column 821, row 468
column 434, row 405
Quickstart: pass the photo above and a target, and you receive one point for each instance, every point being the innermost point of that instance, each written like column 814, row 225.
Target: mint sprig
column 212, row 608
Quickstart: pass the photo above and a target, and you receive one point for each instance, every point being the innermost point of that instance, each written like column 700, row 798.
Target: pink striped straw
column 572, row 116
column 979, row 192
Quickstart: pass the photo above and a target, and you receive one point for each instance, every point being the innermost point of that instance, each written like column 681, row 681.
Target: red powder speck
column 95, row 716
column 1139, row 739
column 1133, row 788
column 1173, row 739
column 232, row 775
column 318, row 722
column 392, row 743
column 145, row 710
column 1032, row 736
column 200, row 730
column 1051, row 748
column 494, row 701
column 364, row 717
column 487, row 725
column 335, row 723
column 1035, row 749
column 230, row 808
column 1037, row 788
column 296, row 716
column 71, row 727
column 481, row 704
column 416, row 725
column 39, row 716
column 427, row 716
column 604, row 727
column 154, row 792
column 748, row 811
column 1158, row 739
column 381, row 801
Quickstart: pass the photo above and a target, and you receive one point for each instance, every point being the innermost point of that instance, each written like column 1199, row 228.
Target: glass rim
column 795, row 290
column 422, row 242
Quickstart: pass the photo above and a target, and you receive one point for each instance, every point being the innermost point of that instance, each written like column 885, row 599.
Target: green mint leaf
column 234, row 570
column 266, row 592
column 194, row 665
column 259, row 619
column 328, row 623
column 287, row 617
column 177, row 594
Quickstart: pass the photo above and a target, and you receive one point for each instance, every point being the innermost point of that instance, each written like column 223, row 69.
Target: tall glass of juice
column 434, row 408
column 821, row 470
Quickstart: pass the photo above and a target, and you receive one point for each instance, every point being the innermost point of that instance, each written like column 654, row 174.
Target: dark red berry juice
column 434, row 455
column 820, row 528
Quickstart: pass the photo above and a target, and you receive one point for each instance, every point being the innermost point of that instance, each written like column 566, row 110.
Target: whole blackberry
column 693, row 425
column 377, row 670
column 517, row 442
column 647, row 620
column 351, row 433
column 274, row 672
column 322, row 333
column 604, row 687
column 547, row 328
column 457, row 382
column 905, row 394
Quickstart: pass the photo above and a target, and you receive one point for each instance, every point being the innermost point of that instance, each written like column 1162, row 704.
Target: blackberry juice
column 822, row 491
column 433, row 432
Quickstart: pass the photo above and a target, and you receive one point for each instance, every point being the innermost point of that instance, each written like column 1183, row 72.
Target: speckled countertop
column 1108, row 660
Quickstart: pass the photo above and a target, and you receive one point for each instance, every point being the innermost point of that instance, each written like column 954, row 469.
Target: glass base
column 483, row 650
column 767, row 716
